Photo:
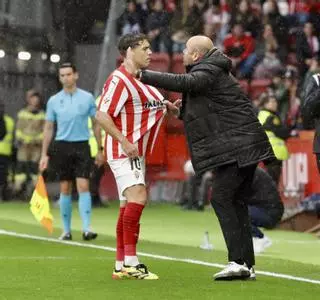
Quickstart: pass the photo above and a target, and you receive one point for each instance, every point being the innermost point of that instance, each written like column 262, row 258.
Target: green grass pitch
column 34, row 269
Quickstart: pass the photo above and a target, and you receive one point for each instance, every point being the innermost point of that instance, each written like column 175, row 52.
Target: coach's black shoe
column 88, row 236
column 66, row 236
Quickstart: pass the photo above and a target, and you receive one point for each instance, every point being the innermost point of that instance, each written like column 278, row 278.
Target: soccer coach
column 223, row 135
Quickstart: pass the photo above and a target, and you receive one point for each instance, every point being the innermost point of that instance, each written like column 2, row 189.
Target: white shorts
column 128, row 172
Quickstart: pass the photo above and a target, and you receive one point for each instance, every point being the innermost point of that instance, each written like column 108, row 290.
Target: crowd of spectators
column 265, row 39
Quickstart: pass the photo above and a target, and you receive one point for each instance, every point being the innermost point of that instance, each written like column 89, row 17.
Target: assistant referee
column 70, row 109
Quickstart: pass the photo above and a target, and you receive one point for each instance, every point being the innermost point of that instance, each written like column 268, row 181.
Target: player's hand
column 43, row 164
column 129, row 149
column 99, row 160
column 173, row 108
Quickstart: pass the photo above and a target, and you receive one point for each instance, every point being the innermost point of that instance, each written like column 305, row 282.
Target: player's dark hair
column 68, row 65
column 130, row 40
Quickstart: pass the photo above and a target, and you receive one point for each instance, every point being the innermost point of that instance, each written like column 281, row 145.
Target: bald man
column 223, row 136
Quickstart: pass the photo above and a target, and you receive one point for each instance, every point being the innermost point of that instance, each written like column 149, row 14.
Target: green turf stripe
column 161, row 257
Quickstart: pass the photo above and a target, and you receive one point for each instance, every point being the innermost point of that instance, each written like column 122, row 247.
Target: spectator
column 282, row 94
column 267, row 55
column 240, row 46
column 278, row 23
column 298, row 12
column 276, row 132
column 194, row 22
column 314, row 14
column 291, row 83
column 307, row 48
column 143, row 9
column 217, row 20
column 130, row 20
column 177, row 31
column 267, row 40
column 157, row 28
column 282, row 5
column 244, row 15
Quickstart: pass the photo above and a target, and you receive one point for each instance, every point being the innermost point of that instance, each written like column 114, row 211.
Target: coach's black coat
column 219, row 120
column 311, row 108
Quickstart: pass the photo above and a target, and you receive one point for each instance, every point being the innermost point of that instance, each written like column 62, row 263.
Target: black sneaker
column 88, row 236
column 66, row 237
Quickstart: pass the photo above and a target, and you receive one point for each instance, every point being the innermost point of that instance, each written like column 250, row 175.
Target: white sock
column 131, row 261
column 118, row 265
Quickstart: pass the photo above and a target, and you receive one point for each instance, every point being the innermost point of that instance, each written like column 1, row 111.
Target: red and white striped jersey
column 137, row 110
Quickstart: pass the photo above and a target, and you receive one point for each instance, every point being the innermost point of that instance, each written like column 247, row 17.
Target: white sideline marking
column 298, row 242
column 185, row 260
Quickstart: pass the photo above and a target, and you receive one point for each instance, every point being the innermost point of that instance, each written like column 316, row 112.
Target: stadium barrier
column 300, row 174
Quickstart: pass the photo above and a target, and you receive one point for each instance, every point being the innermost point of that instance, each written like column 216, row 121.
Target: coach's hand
column 43, row 164
column 130, row 149
column 173, row 108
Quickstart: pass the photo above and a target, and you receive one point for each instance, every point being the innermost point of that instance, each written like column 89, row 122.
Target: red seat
column 177, row 67
column 258, row 86
column 159, row 62
column 158, row 154
column 177, row 154
column 177, row 64
column 174, row 125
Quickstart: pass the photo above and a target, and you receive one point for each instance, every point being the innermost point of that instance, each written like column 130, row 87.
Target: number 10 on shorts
column 135, row 164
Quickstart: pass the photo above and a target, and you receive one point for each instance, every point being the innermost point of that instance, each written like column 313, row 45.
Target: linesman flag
column 39, row 205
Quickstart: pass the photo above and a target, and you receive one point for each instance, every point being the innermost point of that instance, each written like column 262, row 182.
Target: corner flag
column 39, row 205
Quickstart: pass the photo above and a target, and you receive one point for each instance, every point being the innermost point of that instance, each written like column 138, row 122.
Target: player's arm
column 96, row 129
column 47, row 138
column 113, row 98
column 106, row 122
column 197, row 81
column 99, row 159
column 97, row 132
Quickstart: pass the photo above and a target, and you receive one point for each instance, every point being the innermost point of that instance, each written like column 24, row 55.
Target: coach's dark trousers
column 231, row 190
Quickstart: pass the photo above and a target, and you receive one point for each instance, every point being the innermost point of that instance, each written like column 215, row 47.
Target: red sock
column 120, row 244
column 131, row 227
